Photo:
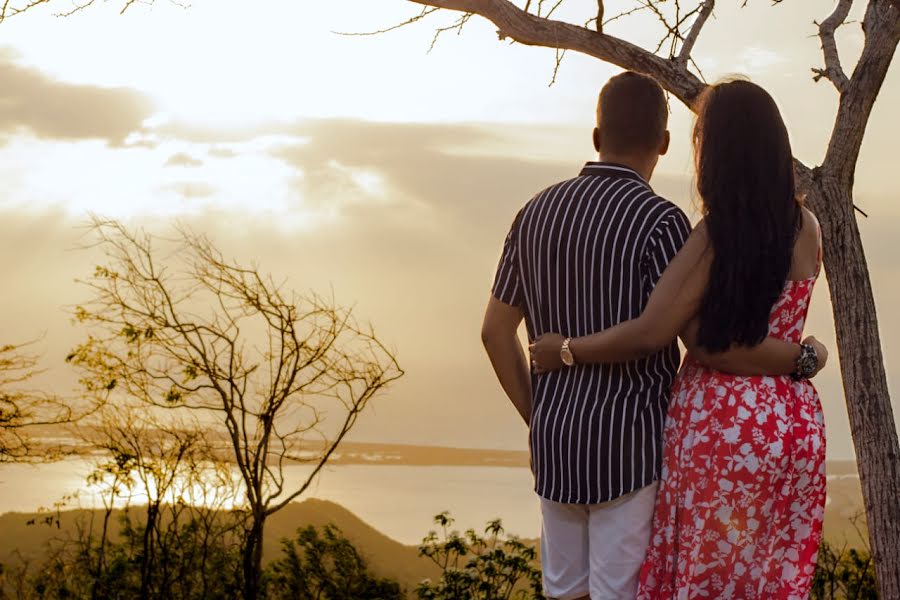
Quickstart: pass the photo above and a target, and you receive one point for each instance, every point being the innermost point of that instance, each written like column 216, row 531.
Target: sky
column 365, row 165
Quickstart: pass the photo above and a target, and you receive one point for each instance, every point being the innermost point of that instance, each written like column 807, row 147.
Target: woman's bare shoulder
column 809, row 218
column 806, row 249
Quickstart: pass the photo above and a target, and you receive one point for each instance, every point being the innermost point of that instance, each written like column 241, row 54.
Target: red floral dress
column 742, row 495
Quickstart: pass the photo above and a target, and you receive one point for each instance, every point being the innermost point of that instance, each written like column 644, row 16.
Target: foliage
column 326, row 566
column 192, row 563
column 475, row 567
column 183, row 540
column 847, row 574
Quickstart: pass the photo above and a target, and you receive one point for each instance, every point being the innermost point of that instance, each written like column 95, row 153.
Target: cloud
column 190, row 189
column 183, row 159
column 221, row 152
column 421, row 212
column 757, row 60
column 469, row 194
column 31, row 101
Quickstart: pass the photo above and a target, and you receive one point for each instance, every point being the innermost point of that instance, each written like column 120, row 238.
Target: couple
column 708, row 484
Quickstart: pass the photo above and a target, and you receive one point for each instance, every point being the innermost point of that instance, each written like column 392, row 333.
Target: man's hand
column 821, row 353
column 545, row 353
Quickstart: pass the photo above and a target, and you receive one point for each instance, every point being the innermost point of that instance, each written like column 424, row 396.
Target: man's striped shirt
column 582, row 256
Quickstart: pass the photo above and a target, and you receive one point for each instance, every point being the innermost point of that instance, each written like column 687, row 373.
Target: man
column 582, row 256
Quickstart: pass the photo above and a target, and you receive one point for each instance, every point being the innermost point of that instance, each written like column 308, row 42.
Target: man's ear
column 596, row 137
column 664, row 146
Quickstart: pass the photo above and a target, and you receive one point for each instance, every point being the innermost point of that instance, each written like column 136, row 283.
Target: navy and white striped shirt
column 582, row 256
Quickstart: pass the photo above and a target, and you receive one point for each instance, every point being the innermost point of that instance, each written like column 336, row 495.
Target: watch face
column 567, row 357
column 808, row 363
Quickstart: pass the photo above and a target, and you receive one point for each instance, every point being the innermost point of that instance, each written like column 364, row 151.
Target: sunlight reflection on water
column 398, row 501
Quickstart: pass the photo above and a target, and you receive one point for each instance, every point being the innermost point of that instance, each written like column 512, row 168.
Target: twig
column 425, row 12
column 560, row 54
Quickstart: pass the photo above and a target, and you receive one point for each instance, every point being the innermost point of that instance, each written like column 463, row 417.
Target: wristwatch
column 807, row 363
column 566, row 354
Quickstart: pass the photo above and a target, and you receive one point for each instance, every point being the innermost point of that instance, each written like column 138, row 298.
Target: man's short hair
column 632, row 114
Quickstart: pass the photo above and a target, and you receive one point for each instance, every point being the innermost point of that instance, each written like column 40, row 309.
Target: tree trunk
column 252, row 556
column 148, row 550
column 863, row 373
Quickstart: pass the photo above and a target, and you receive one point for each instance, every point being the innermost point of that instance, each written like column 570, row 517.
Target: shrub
column 844, row 574
column 473, row 567
column 325, row 566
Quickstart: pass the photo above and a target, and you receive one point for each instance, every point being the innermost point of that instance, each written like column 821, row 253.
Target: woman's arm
column 671, row 311
column 770, row 357
column 673, row 303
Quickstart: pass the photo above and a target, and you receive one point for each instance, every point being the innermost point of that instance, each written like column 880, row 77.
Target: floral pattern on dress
column 742, row 494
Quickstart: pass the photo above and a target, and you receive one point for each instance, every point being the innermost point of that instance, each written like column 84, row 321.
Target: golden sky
column 364, row 164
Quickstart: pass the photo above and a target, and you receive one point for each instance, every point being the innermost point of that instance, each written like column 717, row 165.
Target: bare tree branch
column 9, row 8
column 881, row 26
column 833, row 70
column 688, row 45
column 414, row 19
column 24, row 410
column 532, row 30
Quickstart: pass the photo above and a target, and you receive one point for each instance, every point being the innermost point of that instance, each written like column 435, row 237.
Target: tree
column 187, row 527
column 166, row 528
column 325, row 565
column 259, row 365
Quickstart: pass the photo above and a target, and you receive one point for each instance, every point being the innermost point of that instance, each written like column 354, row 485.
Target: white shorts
column 596, row 549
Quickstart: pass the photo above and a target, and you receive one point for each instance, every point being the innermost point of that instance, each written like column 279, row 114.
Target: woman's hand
column 545, row 355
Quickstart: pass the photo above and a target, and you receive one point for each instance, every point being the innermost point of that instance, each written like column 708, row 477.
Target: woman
column 741, row 499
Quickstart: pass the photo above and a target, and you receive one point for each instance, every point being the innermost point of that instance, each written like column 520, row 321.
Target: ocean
column 398, row 501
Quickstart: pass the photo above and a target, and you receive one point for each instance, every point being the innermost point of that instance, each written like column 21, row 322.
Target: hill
column 388, row 558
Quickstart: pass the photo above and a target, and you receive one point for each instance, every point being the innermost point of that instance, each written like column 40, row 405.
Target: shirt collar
column 608, row 169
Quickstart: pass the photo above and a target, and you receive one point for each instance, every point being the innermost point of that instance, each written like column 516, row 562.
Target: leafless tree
column 200, row 333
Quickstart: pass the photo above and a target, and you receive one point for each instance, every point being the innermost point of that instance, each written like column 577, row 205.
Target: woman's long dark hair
column 745, row 178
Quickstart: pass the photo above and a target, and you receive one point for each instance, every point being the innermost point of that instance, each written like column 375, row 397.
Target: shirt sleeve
column 507, row 286
column 666, row 240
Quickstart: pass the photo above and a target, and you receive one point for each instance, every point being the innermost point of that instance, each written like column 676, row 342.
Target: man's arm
column 499, row 333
